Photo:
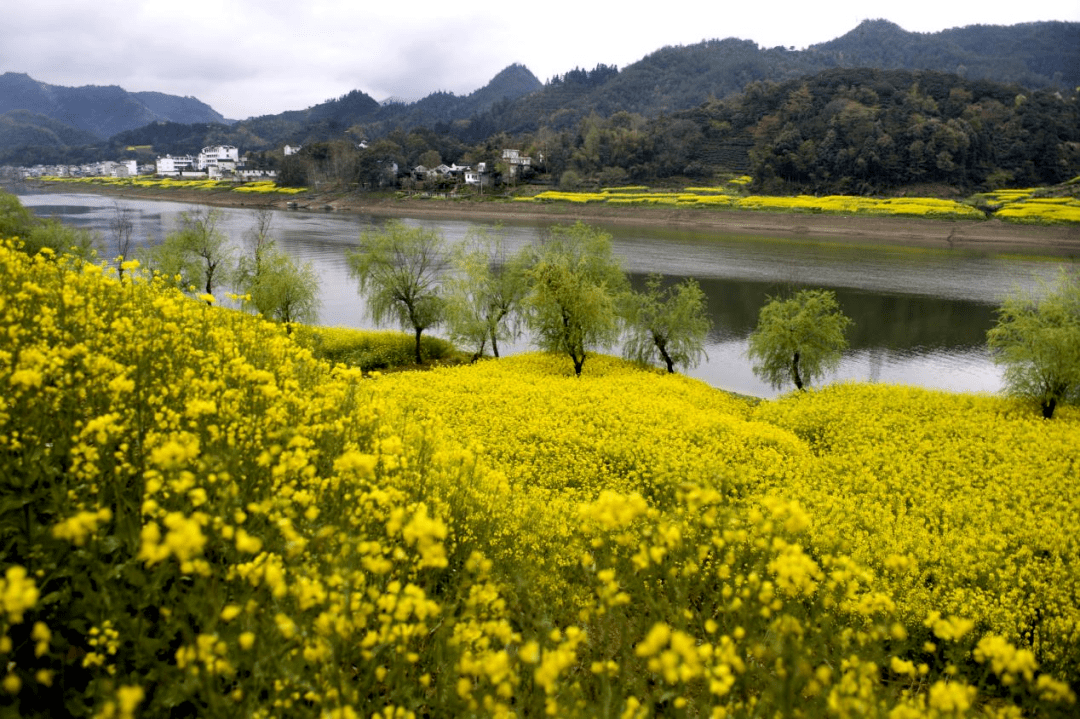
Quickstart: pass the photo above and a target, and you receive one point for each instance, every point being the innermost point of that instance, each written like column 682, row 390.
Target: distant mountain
column 100, row 111
column 368, row 118
column 23, row 128
column 173, row 108
column 1035, row 55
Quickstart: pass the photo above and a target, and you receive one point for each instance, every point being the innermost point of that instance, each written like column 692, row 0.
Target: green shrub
column 370, row 349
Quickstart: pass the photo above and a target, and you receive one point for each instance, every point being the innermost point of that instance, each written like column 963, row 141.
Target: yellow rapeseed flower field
column 201, row 516
column 1014, row 205
column 261, row 187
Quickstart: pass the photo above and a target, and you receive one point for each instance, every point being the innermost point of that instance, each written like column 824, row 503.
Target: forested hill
column 1034, row 55
column 100, row 111
column 865, row 131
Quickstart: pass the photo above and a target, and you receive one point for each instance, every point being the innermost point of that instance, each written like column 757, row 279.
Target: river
column 920, row 317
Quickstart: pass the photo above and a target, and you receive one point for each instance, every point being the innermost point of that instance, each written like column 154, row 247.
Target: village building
column 515, row 161
column 170, row 166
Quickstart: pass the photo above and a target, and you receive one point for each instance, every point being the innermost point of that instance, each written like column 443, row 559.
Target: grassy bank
column 200, row 517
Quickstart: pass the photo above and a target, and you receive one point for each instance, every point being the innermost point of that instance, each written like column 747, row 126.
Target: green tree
column 35, row 234
column 799, row 339
column 15, row 220
column 278, row 286
column 576, row 284
column 398, row 268
column 198, row 253
column 430, row 159
column 1038, row 341
column 668, row 324
column 484, row 297
column 285, row 290
column 259, row 242
column 61, row 239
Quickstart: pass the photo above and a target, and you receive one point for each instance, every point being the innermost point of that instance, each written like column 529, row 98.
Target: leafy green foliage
column 15, row 220
column 35, row 234
column 668, row 324
column 278, row 286
column 369, row 350
column 195, row 255
column 397, row 268
column 576, row 285
column 284, row 289
column 61, row 239
column 484, row 297
column 1038, row 341
column 799, row 339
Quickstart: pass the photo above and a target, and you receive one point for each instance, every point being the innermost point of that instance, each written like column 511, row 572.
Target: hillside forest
column 840, row 131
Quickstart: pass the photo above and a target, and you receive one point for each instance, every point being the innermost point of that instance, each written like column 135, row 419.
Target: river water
column 920, row 317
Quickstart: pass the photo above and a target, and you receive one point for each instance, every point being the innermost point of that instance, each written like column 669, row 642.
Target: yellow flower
column 17, row 593
column 951, row 696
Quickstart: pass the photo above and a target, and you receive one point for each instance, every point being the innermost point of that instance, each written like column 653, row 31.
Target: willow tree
column 799, row 339
column 398, row 268
column 197, row 254
column 669, row 324
column 485, row 294
column 1038, row 341
column 285, row 290
column 277, row 286
column 576, row 284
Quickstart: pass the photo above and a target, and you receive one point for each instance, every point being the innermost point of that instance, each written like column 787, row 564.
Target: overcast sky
column 256, row 57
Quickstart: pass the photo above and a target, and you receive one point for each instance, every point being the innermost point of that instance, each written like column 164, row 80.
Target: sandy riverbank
column 990, row 236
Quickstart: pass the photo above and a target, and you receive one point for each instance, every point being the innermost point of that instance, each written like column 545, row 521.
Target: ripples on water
column 920, row 316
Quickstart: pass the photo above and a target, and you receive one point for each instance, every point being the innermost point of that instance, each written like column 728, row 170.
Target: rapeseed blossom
column 255, row 531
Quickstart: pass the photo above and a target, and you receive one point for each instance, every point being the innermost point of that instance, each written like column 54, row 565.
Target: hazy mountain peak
column 101, row 110
column 511, row 82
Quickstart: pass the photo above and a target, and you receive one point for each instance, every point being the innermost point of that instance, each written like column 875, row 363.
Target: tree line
column 571, row 293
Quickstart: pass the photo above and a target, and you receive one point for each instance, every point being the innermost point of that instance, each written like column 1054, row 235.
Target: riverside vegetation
column 1031, row 205
column 201, row 518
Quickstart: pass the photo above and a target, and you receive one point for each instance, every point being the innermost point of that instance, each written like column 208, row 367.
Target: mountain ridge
column 102, row 110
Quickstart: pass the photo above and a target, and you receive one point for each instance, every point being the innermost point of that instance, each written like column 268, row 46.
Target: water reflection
column 920, row 317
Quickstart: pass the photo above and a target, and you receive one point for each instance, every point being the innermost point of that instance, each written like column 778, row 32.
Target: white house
column 477, row 176
column 170, row 166
column 220, row 157
column 515, row 160
column 425, row 173
column 292, row 149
